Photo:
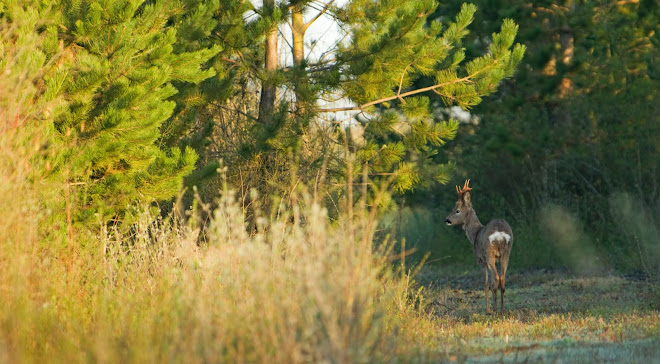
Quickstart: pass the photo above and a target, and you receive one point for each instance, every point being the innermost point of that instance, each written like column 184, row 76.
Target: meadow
column 553, row 316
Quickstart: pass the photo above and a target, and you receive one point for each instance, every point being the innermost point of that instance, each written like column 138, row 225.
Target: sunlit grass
column 296, row 290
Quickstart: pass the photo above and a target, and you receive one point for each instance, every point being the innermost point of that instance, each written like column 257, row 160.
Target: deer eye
column 457, row 211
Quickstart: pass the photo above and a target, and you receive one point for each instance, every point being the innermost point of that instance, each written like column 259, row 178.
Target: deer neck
column 472, row 226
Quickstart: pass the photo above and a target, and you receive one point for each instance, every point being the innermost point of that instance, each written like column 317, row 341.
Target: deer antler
column 466, row 188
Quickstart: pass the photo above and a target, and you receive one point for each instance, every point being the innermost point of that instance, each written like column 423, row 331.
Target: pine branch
column 405, row 94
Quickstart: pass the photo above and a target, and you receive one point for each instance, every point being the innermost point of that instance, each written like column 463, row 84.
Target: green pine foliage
column 584, row 105
column 115, row 66
column 203, row 25
column 393, row 45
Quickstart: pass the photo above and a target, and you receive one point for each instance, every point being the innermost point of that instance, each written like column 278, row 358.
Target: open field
column 551, row 316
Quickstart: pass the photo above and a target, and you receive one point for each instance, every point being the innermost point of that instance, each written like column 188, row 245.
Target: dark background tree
column 577, row 129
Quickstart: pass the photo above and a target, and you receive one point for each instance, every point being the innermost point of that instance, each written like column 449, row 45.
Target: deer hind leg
column 504, row 262
column 494, row 282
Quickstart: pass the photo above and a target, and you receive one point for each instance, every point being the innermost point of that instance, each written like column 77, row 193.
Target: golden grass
column 297, row 290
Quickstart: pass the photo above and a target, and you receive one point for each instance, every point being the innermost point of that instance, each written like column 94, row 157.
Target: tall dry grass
column 298, row 288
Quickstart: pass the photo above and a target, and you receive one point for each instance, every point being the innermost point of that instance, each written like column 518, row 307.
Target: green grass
column 425, row 231
column 565, row 301
column 551, row 237
column 551, row 316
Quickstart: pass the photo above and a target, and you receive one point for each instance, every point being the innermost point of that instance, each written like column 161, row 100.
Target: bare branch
column 390, row 98
column 403, row 74
column 323, row 11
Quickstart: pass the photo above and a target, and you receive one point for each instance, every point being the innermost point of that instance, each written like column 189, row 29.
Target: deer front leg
column 484, row 271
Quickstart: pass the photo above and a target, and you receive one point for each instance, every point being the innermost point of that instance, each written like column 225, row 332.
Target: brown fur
column 486, row 251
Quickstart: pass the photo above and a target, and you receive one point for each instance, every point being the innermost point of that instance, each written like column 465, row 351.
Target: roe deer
column 490, row 243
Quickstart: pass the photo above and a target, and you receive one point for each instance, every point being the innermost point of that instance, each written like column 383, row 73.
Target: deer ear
column 467, row 198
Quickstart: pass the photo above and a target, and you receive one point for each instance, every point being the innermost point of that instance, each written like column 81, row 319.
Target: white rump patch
column 498, row 235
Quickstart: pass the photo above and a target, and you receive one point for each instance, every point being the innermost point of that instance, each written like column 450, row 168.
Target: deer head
column 463, row 209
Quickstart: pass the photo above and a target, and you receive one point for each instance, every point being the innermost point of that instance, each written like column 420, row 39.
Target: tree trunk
column 298, row 28
column 268, row 88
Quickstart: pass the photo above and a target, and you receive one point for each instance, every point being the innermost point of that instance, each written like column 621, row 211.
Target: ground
column 551, row 316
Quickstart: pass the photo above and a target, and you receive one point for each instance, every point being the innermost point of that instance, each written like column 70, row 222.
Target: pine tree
column 208, row 24
column 392, row 44
column 118, row 95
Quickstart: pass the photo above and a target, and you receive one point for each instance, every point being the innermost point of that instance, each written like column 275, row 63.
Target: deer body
column 491, row 243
